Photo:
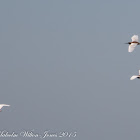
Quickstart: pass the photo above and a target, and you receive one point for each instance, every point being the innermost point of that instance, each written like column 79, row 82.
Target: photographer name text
column 32, row 133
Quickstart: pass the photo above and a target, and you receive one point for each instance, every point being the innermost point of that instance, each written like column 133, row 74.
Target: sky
column 65, row 67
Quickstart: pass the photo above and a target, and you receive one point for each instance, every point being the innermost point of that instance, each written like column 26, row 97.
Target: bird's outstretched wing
column 132, row 47
column 1, row 105
column 133, row 77
column 135, row 38
column 139, row 72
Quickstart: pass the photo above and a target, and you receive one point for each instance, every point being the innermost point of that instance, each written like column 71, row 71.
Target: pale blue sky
column 64, row 67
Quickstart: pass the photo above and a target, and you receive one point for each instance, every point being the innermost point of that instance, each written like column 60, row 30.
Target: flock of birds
column 133, row 44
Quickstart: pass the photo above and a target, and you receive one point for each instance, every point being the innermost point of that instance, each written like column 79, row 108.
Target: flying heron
column 134, row 43
column 135, row 76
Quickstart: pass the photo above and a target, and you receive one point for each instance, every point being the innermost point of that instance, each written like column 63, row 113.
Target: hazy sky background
column 64, row 67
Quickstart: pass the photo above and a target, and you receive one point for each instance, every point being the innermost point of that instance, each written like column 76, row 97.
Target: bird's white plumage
column 133, row 77
column 132, row 47
column 2, row 105
column 139, row 72
column 135, row 38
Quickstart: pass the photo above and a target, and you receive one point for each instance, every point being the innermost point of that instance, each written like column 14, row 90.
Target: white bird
column 134, row 43
column 2, row 105
column 135, row 76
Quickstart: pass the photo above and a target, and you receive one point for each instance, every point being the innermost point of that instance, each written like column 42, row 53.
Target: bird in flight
column 135, row 76
column 134, row 43
column 2, row 105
